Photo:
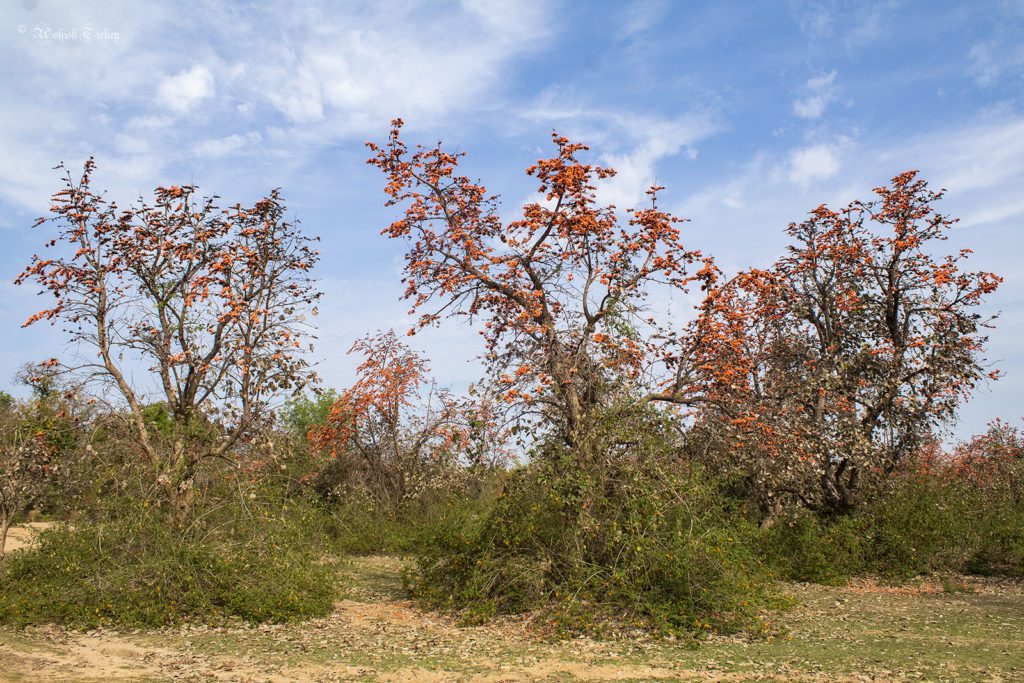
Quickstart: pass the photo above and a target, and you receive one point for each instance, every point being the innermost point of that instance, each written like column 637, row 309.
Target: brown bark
column 5, row 524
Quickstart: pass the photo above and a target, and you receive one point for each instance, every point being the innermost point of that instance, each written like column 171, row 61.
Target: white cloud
column 819, row 92
column 634, row 143
column 859, row 23
column 301, row 99
column 640, row 16
column 814, row 17
column 983, row 67
column 219, row 147
column 651, row 140
column 810, row 107
column 977, row 156
column 869, row 23
column 811, row 164
column 327, row 73
column 983, row 161
column 148, row 122
column 822, row 82
column 351, row 74
column 186, row 89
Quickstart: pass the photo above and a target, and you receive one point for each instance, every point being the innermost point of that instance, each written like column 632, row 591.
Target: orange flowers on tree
column 396, row 432
column 560, row 292
column 183, row 303
column 841, row 360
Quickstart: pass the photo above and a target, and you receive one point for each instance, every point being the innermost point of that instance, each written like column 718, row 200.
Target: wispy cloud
column 633, row 143
column 989, row 61
column 650, row 140
column 219, row 147
column 325, row 73
column 816, row 18
column 819, row 91
column 640, row 16
column 849, row 24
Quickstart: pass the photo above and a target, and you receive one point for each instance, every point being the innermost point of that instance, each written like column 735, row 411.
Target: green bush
column 359, row 527
column 999, row 544
column 919, row 525
column 801, row 546
column 259, row 565
column 633, row 542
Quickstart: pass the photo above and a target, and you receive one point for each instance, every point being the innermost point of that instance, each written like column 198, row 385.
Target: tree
column 25, row 464
column 210, row 301
column 393, row 427
column 993, row 460
column 560, row 292
column 303, row 412
column 833, row 366
column 38, row 439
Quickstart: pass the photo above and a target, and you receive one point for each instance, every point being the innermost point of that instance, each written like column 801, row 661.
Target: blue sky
column 750, row 113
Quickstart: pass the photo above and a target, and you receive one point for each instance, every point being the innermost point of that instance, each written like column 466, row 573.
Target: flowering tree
column 560, row 292
column 836, row 363
column 994, row 459
column 393, row 427
column 209, row 300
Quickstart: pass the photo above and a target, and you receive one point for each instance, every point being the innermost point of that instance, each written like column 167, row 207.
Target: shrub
column 801, row 546
column 141, row 570
column 999, row 545
column 634, row 541
column 918, row 525
column 361, row 527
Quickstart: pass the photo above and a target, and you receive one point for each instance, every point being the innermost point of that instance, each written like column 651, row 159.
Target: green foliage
column 303, row 411
column 160, row 419
column 259, row 563
column 998, row 541
column 917, row 526
column 360, row 527
column 802, row 546
column 633, row 541
column 52, row 421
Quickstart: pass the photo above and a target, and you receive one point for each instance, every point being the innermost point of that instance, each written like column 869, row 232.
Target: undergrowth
column 918, row 525
column 634, row 542
column 260, row 563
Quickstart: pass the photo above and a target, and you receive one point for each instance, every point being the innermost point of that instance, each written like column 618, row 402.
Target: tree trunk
column 182, row 503
column 770, row 511
column 5, row 524
column 839, row 494
column 179, row 486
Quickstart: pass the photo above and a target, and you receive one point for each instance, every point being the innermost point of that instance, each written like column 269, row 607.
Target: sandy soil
column 22, row 536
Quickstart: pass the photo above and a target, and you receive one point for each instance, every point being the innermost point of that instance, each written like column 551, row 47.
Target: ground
column 962, row 630
column 19, row 537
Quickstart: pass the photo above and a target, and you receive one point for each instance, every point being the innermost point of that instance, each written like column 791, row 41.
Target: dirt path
column 22, row 536
column 860, row 633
